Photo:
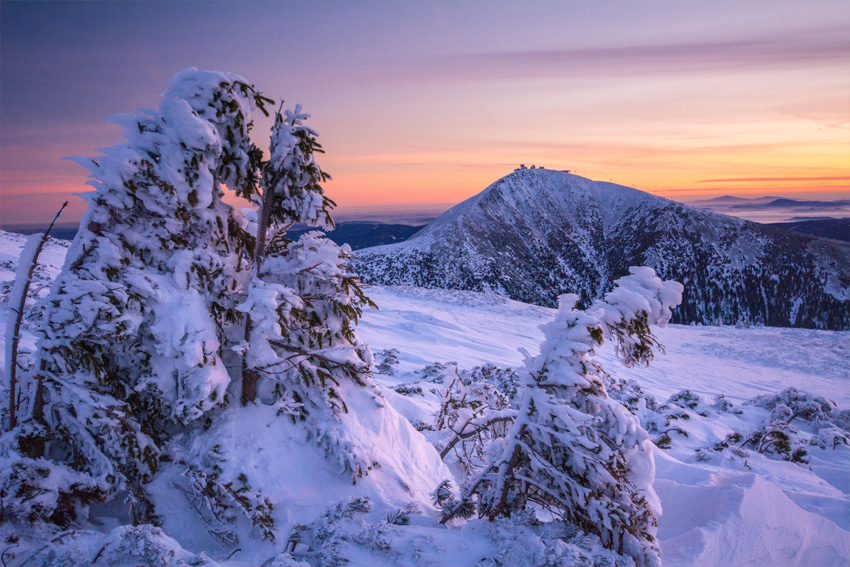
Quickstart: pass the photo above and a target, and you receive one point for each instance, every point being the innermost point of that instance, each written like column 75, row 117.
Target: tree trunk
column 250, row 378
column 33, row 446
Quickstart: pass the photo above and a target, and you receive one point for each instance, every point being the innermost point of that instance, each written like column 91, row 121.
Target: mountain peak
column 537, row 233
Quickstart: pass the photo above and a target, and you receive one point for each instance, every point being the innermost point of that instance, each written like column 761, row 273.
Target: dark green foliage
column 220, row 502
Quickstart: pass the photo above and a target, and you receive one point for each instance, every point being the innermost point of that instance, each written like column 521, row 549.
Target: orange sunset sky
column 430, row 102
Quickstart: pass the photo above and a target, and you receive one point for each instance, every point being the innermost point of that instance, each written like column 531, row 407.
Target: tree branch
column 12, row 364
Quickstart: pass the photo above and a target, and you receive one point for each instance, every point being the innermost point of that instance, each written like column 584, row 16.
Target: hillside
column 836, row 229
column 535, row 234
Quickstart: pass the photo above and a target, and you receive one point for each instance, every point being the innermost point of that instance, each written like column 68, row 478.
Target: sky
column 428, row 103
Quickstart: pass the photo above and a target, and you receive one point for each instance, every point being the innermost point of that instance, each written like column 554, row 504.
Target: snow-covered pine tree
column 572, row 450
column 302, row 352
column 132, row 340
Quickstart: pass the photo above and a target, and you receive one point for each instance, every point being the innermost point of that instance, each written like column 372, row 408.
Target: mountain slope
column 836, row 229
column 535, row 234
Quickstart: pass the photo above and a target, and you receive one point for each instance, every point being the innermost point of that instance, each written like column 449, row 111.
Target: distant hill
column 731, row 200
column 774, row 209
column 363, row 234
column 535, row 234
column 59, row 233
column 357, row 234
column 836, row 229
column 794, row 203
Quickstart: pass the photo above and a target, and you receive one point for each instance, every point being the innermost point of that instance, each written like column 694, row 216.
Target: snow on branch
column 637, row 301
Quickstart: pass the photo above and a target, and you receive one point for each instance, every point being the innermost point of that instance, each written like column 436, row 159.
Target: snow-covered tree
column 303, row 301
column 132, row 336
column 169, row 300
column 571, row 450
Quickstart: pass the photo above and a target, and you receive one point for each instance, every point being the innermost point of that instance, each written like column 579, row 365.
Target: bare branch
column 12, row 364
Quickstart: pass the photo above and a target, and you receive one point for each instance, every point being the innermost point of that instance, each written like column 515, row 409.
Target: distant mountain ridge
column 774, row 209
column 837, row 229
column 535, row 234
column 362, row 234
column 793, row 203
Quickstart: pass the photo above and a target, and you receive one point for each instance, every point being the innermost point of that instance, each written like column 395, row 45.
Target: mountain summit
column 537, row 233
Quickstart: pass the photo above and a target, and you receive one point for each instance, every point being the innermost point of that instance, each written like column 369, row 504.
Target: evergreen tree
column 167, row 300
column 132, row 339
column 303, row 302
column 572, row 450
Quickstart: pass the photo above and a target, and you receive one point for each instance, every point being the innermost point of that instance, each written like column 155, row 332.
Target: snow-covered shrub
column 526, row 542
column 572, row 450
column 723, row 405
column 797, row 421
column 831, row 438
column 503, row 378
column 665, row 421
column 780, row 435
column 322, row 541
column 284, row 560
column 445, row 498
column 124, row 546
column 412, row 389
column 474, row 408
column 473, row 412
column 220, row 502
column 631, row 394
column 438, row 372
column 39, row 490
column 791, row 404
column 385, row 361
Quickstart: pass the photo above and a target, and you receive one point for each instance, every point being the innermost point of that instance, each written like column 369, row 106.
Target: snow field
column 725, row 511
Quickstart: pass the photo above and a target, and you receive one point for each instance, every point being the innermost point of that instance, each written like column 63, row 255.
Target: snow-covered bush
column 797, row 420
column 779, row 434
column 473, row 413
column 526, row 542
column 221, row 502
column 322, row 541
column 39, row 490
column 124, row 546
column 571, row 450
column 386, row 361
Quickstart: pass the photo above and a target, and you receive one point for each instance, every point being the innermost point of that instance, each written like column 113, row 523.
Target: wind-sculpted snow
column 735, row 507
column 536, row 234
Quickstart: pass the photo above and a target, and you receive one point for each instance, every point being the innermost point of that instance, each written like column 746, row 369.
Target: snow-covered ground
column 719, row 507
column 724, row 511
